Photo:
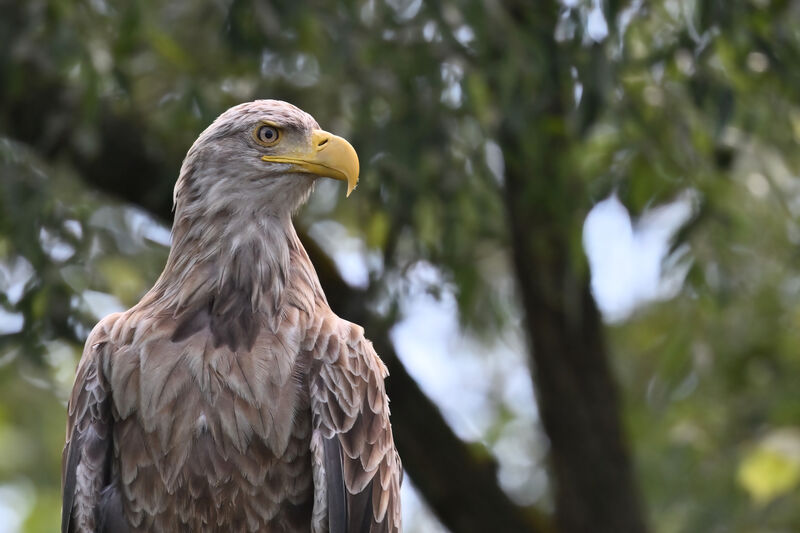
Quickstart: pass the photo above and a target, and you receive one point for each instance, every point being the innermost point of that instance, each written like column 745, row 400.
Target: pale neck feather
column 236, row 259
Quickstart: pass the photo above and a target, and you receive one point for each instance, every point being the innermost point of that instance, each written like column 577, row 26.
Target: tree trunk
column 546, row 201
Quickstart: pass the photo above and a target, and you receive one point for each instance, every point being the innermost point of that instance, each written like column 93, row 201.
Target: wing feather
column 351, row 416
column 336, row 500
column 88, row 450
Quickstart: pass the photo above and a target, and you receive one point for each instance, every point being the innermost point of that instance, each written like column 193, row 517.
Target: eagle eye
column 267, row 135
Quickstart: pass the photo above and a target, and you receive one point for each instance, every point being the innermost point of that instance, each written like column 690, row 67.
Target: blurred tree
column 485, row 129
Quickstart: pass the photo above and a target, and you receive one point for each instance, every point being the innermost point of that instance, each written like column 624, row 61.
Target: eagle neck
column 229, row 262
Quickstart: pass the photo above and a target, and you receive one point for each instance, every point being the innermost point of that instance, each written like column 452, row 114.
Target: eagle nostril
column 322, row 143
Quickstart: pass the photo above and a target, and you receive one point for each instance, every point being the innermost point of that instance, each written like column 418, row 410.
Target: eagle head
column 260, row 157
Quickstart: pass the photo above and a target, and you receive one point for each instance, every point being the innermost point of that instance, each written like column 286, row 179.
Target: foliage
column 666, row 97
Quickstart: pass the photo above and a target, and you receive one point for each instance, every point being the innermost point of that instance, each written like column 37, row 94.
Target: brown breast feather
column 204, row 436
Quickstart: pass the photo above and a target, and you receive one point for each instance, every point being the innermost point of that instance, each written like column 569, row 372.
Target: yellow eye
column 267, row 135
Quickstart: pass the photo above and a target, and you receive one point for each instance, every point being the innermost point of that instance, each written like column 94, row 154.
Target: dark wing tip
column 111, row 518
column 72, row 452
column 334, row 480
column 347, row 513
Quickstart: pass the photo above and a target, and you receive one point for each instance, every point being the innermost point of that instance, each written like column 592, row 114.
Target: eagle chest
column 204, row 433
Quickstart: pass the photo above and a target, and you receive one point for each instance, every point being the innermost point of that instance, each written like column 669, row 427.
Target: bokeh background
column 575, row 240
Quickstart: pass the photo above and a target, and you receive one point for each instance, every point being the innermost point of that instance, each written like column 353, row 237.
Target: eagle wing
column 357, row 469
column 88, row 504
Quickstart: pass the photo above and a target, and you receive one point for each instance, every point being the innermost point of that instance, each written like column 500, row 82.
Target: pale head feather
column 223, row 170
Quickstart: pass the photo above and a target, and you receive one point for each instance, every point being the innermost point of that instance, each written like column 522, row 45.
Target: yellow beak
column 330, row 157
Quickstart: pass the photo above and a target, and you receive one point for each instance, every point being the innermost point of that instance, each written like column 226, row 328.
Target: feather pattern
column 87, row 454
column 361, row 463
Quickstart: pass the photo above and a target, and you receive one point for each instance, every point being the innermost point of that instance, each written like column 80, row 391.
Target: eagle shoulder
column 86, row 460
column 352, row 434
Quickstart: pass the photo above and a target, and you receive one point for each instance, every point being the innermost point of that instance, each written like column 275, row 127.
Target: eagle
column 231, row 398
